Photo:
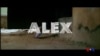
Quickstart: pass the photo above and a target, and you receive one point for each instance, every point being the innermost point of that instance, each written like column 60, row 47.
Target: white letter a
column 34, row 28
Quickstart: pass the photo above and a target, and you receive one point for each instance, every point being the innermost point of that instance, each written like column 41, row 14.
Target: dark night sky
column 22, row 17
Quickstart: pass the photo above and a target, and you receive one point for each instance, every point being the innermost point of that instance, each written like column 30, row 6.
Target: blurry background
column 3, row 18
column 21, row 18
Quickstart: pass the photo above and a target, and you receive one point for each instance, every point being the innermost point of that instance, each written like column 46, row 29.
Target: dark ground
column 27, row 41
